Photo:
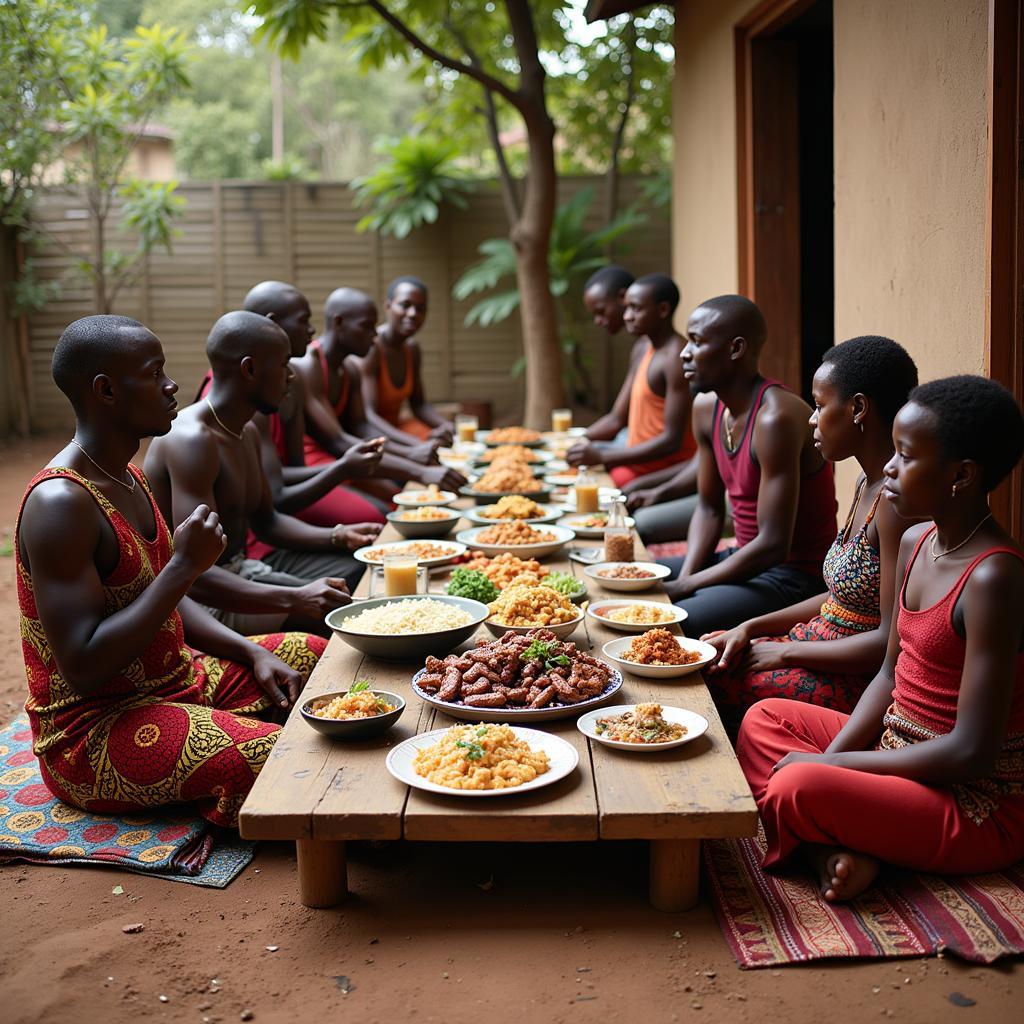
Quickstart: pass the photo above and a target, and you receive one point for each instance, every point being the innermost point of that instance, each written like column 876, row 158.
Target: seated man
column 604, row 296
column 392, row 370
column 654, row 402
column 756, row 445
column 213, row 452
column 331, row 383
column 312, row 493
column 125, row 716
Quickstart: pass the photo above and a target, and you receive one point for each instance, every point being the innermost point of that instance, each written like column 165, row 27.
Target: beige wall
column 910, row 171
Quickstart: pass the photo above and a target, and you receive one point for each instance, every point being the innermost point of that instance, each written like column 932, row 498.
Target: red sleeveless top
column 815, row 526
column 309, row 444
column 390, row 398
column 931, row 658
column 59, row 715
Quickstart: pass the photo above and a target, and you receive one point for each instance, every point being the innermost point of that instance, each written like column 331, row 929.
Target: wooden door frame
column 1004, row 228
column 763, row 20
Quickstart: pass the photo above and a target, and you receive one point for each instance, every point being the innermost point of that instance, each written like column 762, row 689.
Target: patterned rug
column 776, row 919
column 38, row 828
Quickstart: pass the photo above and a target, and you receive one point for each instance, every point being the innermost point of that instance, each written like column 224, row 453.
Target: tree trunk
column 531, row 237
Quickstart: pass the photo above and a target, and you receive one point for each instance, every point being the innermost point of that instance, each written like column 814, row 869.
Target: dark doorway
column 784, row 119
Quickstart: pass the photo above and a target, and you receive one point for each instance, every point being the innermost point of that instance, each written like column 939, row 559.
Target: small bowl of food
column 358, row 713
column 519, row 609
column 626, row 576
column 521, row 436
column 424, row 521
column 635, row 616
column 407, row 628
column 432, row 495
column 659, row 654
column 565, row 583
column 642, row 727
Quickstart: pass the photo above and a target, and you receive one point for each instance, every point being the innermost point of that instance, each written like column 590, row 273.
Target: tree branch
column 477, row 74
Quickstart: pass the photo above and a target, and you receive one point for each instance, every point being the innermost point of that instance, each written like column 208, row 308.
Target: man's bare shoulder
column 189, row 439
column 353, row 368
column 58, row 511
column 783, row 404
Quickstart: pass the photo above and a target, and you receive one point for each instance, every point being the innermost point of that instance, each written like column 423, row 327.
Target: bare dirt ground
column 563, row 935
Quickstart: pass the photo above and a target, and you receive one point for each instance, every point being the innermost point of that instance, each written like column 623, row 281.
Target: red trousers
column 897, row 820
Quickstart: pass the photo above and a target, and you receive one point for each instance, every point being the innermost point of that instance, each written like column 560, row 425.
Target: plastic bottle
column 618, row 537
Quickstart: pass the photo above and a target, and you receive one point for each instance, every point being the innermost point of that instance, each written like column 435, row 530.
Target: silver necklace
column 130, row 488
column 941, row 554
column 220, row 422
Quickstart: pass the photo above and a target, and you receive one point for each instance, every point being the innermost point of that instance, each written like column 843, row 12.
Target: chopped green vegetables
column 359, row 686
column 474, row 752
column 545, row 651
column 565, row 583
column 473, row 584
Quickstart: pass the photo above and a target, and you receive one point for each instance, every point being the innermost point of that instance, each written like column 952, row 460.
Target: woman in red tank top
column 927, row 773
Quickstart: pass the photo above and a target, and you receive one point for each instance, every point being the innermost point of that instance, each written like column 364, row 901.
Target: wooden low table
column 321, row 793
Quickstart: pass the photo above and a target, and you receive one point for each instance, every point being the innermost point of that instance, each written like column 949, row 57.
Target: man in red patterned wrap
column 126, row 713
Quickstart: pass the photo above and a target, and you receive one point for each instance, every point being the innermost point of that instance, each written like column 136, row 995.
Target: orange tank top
column 390, row 399
column 647, row 414
column 58, row 714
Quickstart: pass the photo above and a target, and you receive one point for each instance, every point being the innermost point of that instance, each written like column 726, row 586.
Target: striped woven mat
column 770, row 920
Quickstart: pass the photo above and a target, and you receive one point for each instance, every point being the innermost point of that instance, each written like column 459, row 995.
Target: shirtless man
column 212, row 456
column 654, row 401
column 755, row 444
column 331, row 379
column 124, row 715
column 392, row 370
column 312, row 493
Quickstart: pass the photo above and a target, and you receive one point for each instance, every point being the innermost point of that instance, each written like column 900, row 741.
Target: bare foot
column 843, row 874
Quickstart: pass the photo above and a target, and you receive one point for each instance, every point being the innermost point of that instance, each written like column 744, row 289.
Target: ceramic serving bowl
column 407, row 646
column 598, row 611
column 614, row 649
column 562, row 630
column 593, row 572
column 356, row 728
column 425, row 528
column 539, row 550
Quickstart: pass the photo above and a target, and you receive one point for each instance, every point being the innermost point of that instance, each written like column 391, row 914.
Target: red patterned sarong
column 174, row 725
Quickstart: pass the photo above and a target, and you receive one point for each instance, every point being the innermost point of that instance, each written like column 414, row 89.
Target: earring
column 861, row 425
column 955, row 492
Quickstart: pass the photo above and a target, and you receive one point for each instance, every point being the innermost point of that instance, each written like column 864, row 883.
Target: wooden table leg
column 323, row 878
column 675, row 874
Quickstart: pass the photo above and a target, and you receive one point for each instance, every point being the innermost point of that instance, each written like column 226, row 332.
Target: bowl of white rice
column 407, row 628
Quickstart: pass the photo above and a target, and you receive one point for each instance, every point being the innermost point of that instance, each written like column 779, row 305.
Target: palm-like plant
column 574, row 253
column 409, row 189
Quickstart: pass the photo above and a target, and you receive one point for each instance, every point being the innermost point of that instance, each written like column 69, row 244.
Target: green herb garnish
column 474, row 752
column 544, row 652
column 359, row 686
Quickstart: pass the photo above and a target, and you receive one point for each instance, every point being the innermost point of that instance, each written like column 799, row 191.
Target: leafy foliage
column 409, row 189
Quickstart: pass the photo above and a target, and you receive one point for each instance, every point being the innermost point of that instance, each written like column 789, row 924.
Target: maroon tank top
column 815, row 526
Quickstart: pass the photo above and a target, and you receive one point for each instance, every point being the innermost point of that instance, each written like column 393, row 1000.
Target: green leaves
column 359, row 686
column 410, row 188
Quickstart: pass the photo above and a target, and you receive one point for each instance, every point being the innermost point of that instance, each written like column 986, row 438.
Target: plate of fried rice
column 642, row 727
column 482, row 759
column 659, row 654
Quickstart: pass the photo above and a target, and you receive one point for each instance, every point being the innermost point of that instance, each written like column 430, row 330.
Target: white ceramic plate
column 588, row 532
column 540, row 550
column 614, row 649
column 560, row 479
column 485, row 437
column 398, row 546
column 519, row 714
column 552, row 436
column 627, row 586
column 596, row 609
column 406, row 499
column 696, row 725
column 563, row 760
column 550, row 514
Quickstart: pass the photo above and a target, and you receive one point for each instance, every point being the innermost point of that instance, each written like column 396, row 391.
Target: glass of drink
column 403, row 575
column 561, row 421
column 586, row 492
column 466, row 426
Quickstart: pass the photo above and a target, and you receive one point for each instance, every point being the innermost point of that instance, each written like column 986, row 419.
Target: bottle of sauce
column 618, row 537
column 586, row 492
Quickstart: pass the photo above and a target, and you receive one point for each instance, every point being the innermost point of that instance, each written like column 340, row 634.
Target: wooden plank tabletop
column 312, row 788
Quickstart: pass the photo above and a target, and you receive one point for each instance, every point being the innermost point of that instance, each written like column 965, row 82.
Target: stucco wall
column 910, row 170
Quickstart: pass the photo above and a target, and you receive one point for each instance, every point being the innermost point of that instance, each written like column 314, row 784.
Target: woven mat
column 38, row 828
column 770, row 920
